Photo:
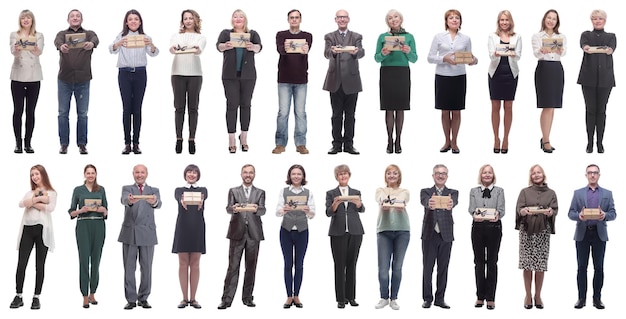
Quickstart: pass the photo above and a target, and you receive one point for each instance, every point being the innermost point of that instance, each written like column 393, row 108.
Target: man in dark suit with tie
column 343, row 49
column 343, row 205
column 437, row 235
column 591, row 233
column 246, row 204
column 138, row 236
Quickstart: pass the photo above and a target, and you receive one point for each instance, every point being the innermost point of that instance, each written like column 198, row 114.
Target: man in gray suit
column 591, row 234
column 138, row 236
column 437, row 236
column 343, row 49
column 246, row 205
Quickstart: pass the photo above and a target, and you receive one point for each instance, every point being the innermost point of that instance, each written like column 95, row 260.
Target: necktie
column 343, row 34
column 247, row 191
column 437, row 230
column 140, row 188
column 486, row 193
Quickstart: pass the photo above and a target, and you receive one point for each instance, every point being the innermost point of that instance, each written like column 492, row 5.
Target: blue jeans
column 81, row 94
column 286, row 92
column 392, row 246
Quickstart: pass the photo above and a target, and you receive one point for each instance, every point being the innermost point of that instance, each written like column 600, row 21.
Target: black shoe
column 589, row 148
column 144, row 304
column 353, row 303
column 128, row 306
column 456, row 151
column 341, row 304
column 35, row 305
column 445, row 149
column 82, row 149
column 179, row 146
column 136, row 149
column 442, row 304
column 600, row 148
column 598, row 303
column 398, row 148
column 195, row 304
column 538, row 305
column 496, row 150
column 18, row 146
column 126, row 150
column 426, row 304
column 479, row 304
column 545, row 149
column 192, row 147
column 92, row 301
column 249, row 303
column 63, row 149
column 353, row 151
column 580, row 303
column 183, row 304
column 334, row 150
column 28, row 149
column 17, row 302
column 223, row 305
column 491, row 307
column 389, row 148
column 287, row 305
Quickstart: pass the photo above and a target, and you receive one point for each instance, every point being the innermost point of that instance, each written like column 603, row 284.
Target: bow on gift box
column 555, row 45
column 389, row 200
column 506, row 49
column 183, row 48
column 74, row 41
column 293, row 46
column 24, row 43
column 395, row 43
column 480, row 212
column 293, row 203
column 240, row 40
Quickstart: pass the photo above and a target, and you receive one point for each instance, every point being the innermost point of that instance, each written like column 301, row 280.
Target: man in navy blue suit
column 592, row 206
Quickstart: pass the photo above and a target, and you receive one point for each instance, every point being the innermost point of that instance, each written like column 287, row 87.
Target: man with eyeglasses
column 437, row 235
column 343, row 50
column 293, row 46
column 592, row 206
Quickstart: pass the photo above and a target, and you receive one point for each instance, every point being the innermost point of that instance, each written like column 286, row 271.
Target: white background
column 422, row 139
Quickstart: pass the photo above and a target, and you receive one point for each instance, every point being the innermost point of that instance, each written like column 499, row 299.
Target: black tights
column 394, row 118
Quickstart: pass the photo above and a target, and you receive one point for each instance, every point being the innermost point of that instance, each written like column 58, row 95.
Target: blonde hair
column 480, row 174
column 393, row 167
column 245, row 18
column 27, row 13
column 390, row 12
column 506, row 13
column 598, row 13
column 530, row 174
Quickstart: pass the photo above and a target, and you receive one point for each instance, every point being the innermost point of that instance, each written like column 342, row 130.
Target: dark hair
column 45, row 180
column 298, row 166
column 248, row 165
column 294, row 10
column 449, row 13
column 593, row 165
column 191, row 168
column 125, row 28
column 558, row 21
column 95, row 187
column 74, row 10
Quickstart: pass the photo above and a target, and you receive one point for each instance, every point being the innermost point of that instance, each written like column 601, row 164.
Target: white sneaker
column 394, row 305
column 382, row 303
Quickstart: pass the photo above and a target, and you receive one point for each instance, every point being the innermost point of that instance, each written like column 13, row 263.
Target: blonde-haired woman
column 486, row 235
column 393, row 233
column 187, row 75
column 505, row 49
column 535, row 217
column 238, row 76
column 26, row 76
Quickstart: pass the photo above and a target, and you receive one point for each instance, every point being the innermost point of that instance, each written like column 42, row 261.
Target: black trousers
column 345, row 251
column 486, row 238
column 31, row 236
column 186, row 95
column 238, row 99
column 24, row 94
column 342, row 120
column 235, row 252
column 435, row 250
column 596, row 99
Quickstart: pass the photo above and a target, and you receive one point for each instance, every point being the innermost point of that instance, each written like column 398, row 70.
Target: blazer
column 494, row 40
column 343, row 214
column 243, row 222
column 343, row 68
column 579, row 201
column 596, row 69
column 441, row 216
column 229, row 65
column 138, row 227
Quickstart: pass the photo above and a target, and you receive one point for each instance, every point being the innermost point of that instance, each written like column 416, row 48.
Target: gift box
column 294, row 45
column 394, row 42
column 245, row 208
column 185, row 49
column 347, row 198
column 39, row 192
column 553, row 44
column 192, row 198
column 27, row 43
column 135, row 41
column 392, row 202
column 505, row 49
column 344, row 48
column 93, row 204
column 142, row 196
column 75, row 40
column 485, row 213
column 239, row 40
column 441, row 202
column 463, row 57
column 297, row 202
column 591, row 213
column 533, row 210
column 598, row 49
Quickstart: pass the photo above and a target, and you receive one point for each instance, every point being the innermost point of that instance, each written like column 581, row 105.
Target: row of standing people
column 536, row 209
column 342, row 80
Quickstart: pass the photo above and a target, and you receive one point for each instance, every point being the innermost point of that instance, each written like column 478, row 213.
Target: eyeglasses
column 294, row 17
column 440, row 173
column 342, row 17
column 593, row 173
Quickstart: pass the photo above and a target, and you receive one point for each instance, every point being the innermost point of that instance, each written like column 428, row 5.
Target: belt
column 133, row 69
column 592, row 227
column 90, row 217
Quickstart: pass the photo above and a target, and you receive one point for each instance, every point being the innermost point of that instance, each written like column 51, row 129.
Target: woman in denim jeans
column 393, row 235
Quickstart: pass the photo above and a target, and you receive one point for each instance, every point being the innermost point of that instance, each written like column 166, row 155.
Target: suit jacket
column 441, row 216
column 338, row 217
column 343, row 68
column 237, row 227
column 579, row 201
column 139, row 228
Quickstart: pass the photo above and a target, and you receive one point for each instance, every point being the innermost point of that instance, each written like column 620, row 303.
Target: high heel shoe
column 545, row 149
column 496, row 148
column 192, row 147
column 398, row 147
column 244, row 147
column 445, row 149
column 542, row 143
column 528, row 305
column 232, row 149
column 389, row 148
column 179, row 146
column 538, row 305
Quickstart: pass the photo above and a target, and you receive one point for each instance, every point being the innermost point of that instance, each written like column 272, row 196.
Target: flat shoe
column 183, row 304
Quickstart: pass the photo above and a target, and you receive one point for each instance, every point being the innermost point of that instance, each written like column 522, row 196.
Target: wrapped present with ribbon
column 598, row 49
column 27, row 43
column 75, row 40
column 345, row 48
column 239, row 40
column 297, row 202
column 93, row 204
column 294, row 45
column 390, row 202
column 485, row 213
column 553, row 44
column 591, row 213
column 505, row 49
column 185, row 49
column 395, row 42
column 245, row 207
column 463, row 57
column 534, row 210
column 135, row 41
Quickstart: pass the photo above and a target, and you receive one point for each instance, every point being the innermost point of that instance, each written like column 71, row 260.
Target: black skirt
column 450, row 92
column 502, row 86
column 549, row 81
column 395, row 88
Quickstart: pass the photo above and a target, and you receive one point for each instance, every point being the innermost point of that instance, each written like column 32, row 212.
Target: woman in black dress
column 189, row 237
column 505, row 49
column 596, row 76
